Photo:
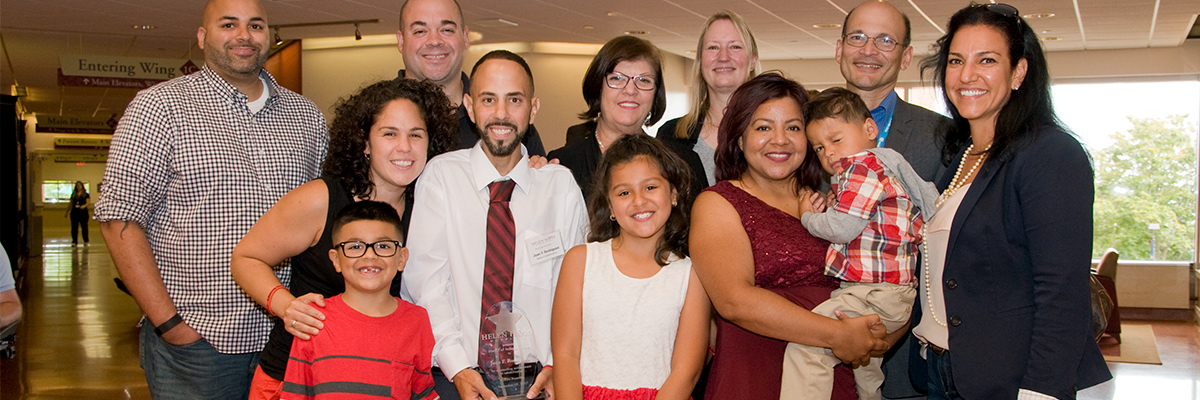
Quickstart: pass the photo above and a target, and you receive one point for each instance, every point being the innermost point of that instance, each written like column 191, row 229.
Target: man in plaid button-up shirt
column 194, row 162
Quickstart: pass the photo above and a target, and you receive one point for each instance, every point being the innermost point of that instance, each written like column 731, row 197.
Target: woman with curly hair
column 379, row 143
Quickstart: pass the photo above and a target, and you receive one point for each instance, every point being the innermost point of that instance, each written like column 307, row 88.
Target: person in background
column 10, row 303
column 194, row 163
column 874, row 48
column 433, row 41
column 380, row 141
column 78, row 212
column 630, row 317
column 1004, row 306
column 765, row 277
column 624, row 90
column 727, row 56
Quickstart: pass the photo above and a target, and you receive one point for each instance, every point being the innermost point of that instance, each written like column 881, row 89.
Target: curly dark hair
column 355, row 115
column 675, row 234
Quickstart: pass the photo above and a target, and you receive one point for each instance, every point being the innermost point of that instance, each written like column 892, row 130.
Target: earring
column 612, row 217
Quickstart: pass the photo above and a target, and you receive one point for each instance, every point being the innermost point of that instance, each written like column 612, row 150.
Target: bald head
column 215, row 9
column 885, row 10
column 233, row 35
column 874, row 48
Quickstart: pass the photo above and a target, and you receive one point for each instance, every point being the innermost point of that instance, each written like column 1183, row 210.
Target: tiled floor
column 78, row 339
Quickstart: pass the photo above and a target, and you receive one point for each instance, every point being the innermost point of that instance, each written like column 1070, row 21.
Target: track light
column 355, row 22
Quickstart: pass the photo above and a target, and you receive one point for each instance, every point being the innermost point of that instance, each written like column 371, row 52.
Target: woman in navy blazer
column 1003, row 306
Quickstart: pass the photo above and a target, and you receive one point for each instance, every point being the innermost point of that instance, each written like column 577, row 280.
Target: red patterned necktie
column 501, row 247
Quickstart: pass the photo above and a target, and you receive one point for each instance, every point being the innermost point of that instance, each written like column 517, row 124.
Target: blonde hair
column 699, row 102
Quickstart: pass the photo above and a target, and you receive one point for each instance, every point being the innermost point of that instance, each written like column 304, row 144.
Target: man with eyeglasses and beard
column 488, row 229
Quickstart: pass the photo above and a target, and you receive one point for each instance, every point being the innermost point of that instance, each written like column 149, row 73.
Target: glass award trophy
column 505, row 343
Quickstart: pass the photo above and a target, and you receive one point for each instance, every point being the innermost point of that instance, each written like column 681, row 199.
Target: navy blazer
column 1016, row 275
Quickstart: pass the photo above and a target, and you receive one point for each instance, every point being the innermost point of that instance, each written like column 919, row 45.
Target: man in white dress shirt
column 448, row 236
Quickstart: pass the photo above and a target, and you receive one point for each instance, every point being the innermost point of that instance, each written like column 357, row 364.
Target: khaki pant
column 808, row 371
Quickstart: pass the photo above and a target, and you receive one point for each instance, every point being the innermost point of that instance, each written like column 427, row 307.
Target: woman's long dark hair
column 355, row 115
column 1028, row 109
column 674, row 239
column 78, row 190
column 731, row 162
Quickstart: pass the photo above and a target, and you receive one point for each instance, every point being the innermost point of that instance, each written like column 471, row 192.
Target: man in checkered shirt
column 194, row 162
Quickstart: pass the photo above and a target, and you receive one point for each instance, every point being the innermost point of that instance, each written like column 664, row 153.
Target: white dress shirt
column 448, row 239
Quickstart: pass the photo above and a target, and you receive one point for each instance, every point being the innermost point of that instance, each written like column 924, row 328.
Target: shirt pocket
column 543, row 254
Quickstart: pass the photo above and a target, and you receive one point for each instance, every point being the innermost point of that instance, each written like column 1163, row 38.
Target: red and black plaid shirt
column 886, row 251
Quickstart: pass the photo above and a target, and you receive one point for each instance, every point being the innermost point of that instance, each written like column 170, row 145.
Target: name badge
column 545, row 247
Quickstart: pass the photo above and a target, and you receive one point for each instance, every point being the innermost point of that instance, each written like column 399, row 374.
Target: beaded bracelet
column 272, row 295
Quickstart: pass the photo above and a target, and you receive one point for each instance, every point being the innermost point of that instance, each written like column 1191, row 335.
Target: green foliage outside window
column 1147, row 176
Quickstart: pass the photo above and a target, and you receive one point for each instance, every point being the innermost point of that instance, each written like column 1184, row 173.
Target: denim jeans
column 194, row 370
column 941, row 379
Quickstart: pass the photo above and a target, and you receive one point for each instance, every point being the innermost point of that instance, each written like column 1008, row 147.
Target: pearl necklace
column 960, row 179
column 928, row 290
column 955, row 184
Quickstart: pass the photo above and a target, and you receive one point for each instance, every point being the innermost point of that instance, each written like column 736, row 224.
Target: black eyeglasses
column 357, row 248
column 1002, row 9
column 882, row 42
column 617, row 80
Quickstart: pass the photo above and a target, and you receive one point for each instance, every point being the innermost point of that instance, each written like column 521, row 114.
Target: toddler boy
column 877, row 206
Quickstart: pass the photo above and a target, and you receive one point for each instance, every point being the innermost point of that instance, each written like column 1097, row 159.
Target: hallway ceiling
column 34, row 33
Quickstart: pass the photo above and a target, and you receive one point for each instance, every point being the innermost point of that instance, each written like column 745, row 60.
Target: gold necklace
column 960, row 179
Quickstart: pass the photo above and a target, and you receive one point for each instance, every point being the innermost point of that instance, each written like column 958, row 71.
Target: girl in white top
column 630, row 318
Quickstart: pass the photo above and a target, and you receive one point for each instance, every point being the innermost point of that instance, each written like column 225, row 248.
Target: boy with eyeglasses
column 373, row 344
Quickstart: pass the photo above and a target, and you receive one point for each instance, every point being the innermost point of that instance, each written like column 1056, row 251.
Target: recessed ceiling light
column 827, row 26
column 144, row 27
column 1051, row 38
column 1046, row 31
column 690, row 51
column 495, row 23
column 1038, row 15
column 612, row 13
column 588, row 27
column 635, row 32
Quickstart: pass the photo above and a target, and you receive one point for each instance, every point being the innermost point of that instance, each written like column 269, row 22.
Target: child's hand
column 821, row 201
column 811, row 202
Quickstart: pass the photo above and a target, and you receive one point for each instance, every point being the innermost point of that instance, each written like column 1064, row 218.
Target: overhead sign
column 80, row 158
column 119, row 72
column 74, row 124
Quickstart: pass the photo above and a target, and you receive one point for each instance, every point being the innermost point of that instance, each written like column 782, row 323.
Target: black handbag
column 1102, row 306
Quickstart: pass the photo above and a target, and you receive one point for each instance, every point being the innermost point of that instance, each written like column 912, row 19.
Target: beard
column 502, row 148
column 220, row 57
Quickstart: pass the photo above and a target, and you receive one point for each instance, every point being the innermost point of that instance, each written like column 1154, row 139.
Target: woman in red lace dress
column 763, row 279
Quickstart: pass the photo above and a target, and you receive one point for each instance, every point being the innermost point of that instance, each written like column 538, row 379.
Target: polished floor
column 78, row 339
